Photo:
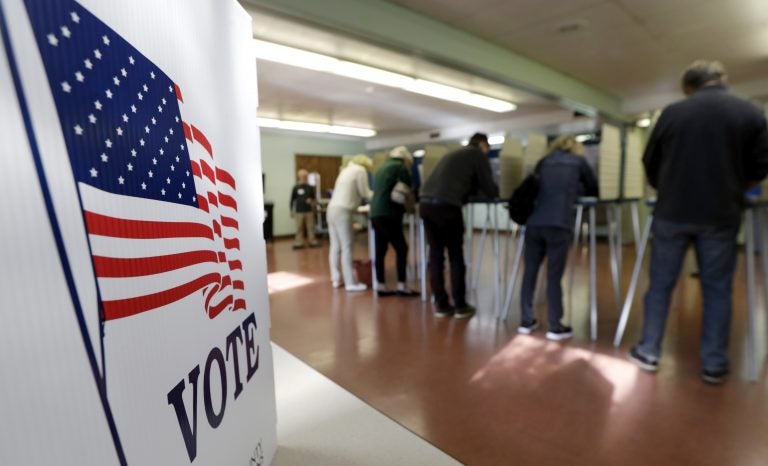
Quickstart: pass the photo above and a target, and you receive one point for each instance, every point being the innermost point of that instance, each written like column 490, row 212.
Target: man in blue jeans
column 701, row 156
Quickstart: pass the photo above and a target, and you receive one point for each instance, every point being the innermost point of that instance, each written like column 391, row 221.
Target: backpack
column 523, row 199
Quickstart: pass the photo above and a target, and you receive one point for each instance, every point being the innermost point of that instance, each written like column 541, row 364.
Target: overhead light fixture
column 583, row 137
column 496, row 140
column 315, row 127
column 419, row 153
column 318, row 62
column 464, row 142
column 644, row 122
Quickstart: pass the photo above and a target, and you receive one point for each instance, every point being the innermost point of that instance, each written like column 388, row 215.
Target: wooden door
column 327, row 166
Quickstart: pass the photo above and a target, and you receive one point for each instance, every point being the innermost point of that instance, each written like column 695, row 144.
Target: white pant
column 342, row 238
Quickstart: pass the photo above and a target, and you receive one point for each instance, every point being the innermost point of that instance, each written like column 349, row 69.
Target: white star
column 108, row 92
column 162, row 191
column 146, row 129
column 121, row 180
column 163, row 99
column 170, row 88
column 66, row 32
column 78, row 130
column 79, row 76
column 194, row 199
column 166, row 139
column 162, row 151
column 154, row 122
column 133, row 152
column 167, row 181
column 144, row 186
column 171, row 130
column 116, row 80
column 177, row 158
column 154, row 161
column 105, row 39
column 88, row 64
column 146, row 89
column 92, row 118
column 104, row 158
column 53, row 40
column 130, row 59
column 133, row 108
column 141, row 97
column 160, row 108
column 108, row 142
column 141, row 141
column 119, row 131
column 66, row 87
column 173, row 169
column 97, row 54
column 179, row 195
column 187, row 172
column 125, row 118
column 94, row 173
column 183, row 185
column 123, row 72
column 150, row 174
column 182, row 146
column 177, row 120
column 75, row 17
column 130, row 167
column 152, row 74
column 97, row 104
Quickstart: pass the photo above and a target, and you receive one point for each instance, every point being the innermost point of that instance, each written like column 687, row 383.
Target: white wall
column 277, row 159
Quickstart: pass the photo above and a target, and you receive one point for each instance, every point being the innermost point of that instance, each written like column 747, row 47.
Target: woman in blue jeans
column 564, row 176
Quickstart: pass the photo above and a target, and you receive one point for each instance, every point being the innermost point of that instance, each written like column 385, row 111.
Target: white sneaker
column 356, row 287
column 336, row 284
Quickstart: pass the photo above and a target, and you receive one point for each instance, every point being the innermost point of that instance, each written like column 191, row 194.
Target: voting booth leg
column 619, row 248
column 372, row 254
column 592, row 275
column 481, row 249
column 612, row 247
column 507, row 239
column 515, row 270
column 575, row 260
column 469, row 225
column 749, row 233
column 633, row 208
column 413, row 260
column 763, row 229
column 496, row 261
column 633, row 283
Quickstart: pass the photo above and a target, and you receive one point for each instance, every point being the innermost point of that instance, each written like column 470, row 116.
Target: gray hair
column 703, row 72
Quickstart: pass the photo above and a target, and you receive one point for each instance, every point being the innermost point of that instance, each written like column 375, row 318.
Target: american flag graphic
column 161, row 216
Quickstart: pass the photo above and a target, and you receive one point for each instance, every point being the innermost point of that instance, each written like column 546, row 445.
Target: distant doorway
column 327, row 166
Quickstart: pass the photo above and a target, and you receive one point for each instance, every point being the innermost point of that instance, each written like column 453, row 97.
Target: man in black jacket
column 458, row 175
column 704, row 152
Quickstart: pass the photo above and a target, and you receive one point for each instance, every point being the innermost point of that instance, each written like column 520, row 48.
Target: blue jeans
column 553, row 243
column 716, row 252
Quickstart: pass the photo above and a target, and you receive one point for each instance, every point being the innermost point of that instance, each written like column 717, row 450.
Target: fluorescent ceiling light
column 315, row 61
column 496, row 140
column 315, row 127
column 644, row 122
column 464, row 142
column 583, row 137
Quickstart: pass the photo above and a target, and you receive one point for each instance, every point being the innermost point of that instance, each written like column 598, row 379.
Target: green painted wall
column 278, row 164
column 399, row 27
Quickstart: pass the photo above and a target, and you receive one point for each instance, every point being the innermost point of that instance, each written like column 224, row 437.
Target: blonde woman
column 350, row 190
column 564, row 175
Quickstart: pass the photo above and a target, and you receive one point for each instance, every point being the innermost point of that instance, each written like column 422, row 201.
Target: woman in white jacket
column 350, row 190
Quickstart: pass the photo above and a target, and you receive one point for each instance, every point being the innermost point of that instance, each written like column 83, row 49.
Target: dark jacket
column 459, row 175
column 702, row 154
column 300, row 196
column 563, row 178
column 385, row 178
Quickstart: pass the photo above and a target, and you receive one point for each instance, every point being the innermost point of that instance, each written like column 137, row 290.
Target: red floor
column 488, row 396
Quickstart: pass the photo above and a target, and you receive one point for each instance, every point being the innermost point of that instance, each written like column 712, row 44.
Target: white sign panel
column 135, row 322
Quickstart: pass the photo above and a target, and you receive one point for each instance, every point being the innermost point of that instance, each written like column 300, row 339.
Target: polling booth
column 134, row 327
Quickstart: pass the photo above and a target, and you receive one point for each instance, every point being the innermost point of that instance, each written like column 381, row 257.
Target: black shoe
column 407, row 293
column 464, row 312
column 527, row 327
column 445, row 311
column 715, row 377
column 644, row 363
column 315, row 245
column 296, row 246
column 383, row 293
column 559, row 334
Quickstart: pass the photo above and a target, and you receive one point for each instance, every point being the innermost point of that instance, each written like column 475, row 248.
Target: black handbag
column 523, row 199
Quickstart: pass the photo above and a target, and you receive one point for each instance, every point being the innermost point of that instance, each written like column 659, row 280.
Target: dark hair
column 477, row 138
column 702, row 72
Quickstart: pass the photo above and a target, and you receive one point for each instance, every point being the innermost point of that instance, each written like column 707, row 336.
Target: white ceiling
column 632, row 48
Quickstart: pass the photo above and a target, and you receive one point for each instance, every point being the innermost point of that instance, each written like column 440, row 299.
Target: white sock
column 401, row 286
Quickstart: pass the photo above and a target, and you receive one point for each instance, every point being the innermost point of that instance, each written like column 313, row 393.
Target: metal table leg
column 372, row 253
column 612, row 252
column 515, row 270
column 592, row 275
column 481, row 250
column 635, row 225
column 576, row 238
column 412, row 265
column 633, row 283
column 496, row 260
